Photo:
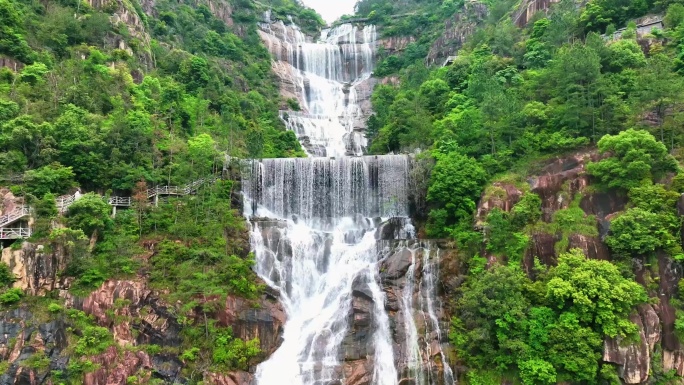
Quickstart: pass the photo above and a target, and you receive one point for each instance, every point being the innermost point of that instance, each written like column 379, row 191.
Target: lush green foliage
column 88, row 112
column 457, row 182
column 11, row 296
column 550, row 330
column 652, row 224
column 89, row 214
column 635, row 157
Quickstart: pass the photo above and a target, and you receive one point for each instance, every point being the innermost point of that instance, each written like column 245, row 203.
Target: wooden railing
column 63, row 203
column 120, row 201
column 15, row 233
column 13, row 216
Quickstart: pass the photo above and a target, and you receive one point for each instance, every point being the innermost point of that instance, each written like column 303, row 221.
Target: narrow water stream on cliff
column 360, row 310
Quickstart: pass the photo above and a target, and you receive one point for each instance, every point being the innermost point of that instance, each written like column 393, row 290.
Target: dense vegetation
column 115, row 105
column 112, row 98
column 161, row 97
column 514, row 98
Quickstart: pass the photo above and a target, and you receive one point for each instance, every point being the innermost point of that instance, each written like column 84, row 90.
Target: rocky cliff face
column 528, row 8
column 37, row 268
column 285, row 44
column 125, row 14
column 456, row 30
column 136, row 316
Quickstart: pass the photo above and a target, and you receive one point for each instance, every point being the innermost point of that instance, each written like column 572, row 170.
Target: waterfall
column 327, row 73
column 324, row 228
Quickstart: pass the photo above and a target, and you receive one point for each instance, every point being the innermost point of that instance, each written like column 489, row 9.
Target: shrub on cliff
column 635, row 157
column 6, row 275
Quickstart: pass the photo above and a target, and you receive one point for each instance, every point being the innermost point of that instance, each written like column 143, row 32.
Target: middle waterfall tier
column 322, row 189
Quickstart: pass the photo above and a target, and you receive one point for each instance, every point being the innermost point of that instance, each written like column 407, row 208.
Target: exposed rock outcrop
column 408, row 275
column 36, row 268
column 501, row 196
column 264, row 320
column 395, row 44
column 528, row 8
column 14, row 65
column 235, row 378
column 559, row 182
column 127, row 15
column 634, row 359
column 21, row 337
column 456, row 30
column 116, row 368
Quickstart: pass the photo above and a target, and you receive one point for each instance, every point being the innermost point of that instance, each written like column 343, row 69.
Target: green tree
column 537, row 371
column 595, row 292
column 674, row 16
column 635, row 158
column 455, row 185
column 203, row 153
column 90, row 213
column 53, row 178
column 638, row 233
column 489, row 327
column 7, row 278
column 12, row 40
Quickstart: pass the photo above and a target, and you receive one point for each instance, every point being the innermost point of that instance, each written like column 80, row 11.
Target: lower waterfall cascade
column 333, row 236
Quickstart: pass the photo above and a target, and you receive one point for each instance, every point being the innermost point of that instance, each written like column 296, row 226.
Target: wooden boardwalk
column 63, row 203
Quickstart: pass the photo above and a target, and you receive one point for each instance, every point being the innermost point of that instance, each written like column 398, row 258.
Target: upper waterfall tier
column 330, row 79
column 343, row 54
column 325, row 188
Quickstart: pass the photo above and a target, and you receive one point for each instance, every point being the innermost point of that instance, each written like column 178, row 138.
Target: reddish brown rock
column 559, row 181
column 542, row 246
column 674, row 360
column 115, row 369
column 358, row 372
column 592, row 247
column 651, row 322
column 500, row 195
column 234, row 378
column 263, row 320
column 14, row 65
column 101, row 303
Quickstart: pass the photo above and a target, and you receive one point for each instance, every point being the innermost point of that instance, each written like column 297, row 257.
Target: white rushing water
column 315, row 223
column 328, row 73
column 323, row 239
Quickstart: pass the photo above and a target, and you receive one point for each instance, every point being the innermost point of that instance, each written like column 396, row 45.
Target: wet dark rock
column 392, row 229
column 248, row 321
column 603, row 205
column 167, row 368
column 542, row 246
column 396, row 265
